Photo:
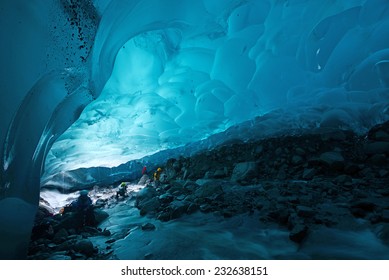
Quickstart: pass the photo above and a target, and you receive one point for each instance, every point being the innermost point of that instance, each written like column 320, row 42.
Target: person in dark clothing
column 82, row 207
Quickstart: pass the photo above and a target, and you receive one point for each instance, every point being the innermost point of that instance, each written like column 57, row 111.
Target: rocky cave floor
column 332, row 179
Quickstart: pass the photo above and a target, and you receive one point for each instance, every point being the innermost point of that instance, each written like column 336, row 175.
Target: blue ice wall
column 163, row 74
column 178, row 71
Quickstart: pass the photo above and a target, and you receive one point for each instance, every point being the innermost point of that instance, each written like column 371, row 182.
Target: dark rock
column 148, row 227
column 300, row 152
column 364, row 205
column 60, row 236
column 148, row 256
column 383, row 173
column 378, row 159
column 220, row 173
column 309, row 173
column 304, row 211
column 351, row 169
column 382, row 232
column 149, row 206
column 192, row 208
column 209, row 189
column 334, row 160
column 85, row 247
column 177, row 208
column 344, row 179
column 166, row 198
column 244, row 171
column 377, row 148
column 59, row 257
column 385, row 215
column 100, row 215
column 296, row 160
column 298, row 233
column 164, row 216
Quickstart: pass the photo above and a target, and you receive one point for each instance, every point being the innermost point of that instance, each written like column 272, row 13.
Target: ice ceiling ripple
column 177, row 71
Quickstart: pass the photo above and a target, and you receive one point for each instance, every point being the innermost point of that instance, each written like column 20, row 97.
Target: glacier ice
column 99, row 85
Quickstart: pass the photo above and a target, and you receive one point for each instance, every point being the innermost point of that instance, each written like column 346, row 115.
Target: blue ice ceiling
column 172, row 72
column 98, row 83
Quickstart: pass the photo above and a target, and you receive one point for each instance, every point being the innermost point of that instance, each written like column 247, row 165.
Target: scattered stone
column 296, row 160
column 149, row 206
column 309, row 173
column 244, row 171
column 377, row 148
column 85, row 247
column 334, row 160
column 344, row 179
column 148, row 227
column 298, row 233
column 385, row 215
column 304, row 211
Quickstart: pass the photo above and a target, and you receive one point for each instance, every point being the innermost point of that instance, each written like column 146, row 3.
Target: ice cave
column 269, row 120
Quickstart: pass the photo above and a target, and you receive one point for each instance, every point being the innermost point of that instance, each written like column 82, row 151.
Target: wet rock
column 177, row 209
column 148, row 227
column 296, row 160
column 59, row 257
column 192, row 208
column 298, row 233
column 164, row 216
column 377, row 148
column 220, row 173
column 60, row 236
column 351, row 169
column 383, row 173
column 382, row 232
column 361, row 208
column 209, row 189
column 344, row 179
column 100, row 215
column 305, row 211
column 378, row 159
column 309, row 173
column 385, row 216
column 334, row 160
column 244, row 171
column 166, row 198
column 85, row 247
column 146, row 193
column 149, row 206
column 300, row 152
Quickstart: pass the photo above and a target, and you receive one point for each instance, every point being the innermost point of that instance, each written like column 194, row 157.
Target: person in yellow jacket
column 157, row 175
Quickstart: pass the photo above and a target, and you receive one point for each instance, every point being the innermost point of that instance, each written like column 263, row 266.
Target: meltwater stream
column 210, row 236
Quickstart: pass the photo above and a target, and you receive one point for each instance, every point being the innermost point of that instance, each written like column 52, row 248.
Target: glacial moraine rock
column 85, row 247
column 377, row 148
column 298, row 233
column 244, row 171
column 333, row 160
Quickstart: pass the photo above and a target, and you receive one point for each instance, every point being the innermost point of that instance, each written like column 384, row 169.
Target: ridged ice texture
column 176, row 71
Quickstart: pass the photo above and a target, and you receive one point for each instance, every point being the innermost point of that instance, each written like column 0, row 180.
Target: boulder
column 298, row 233
column 244, row 171
column 148, row 227
column 379, row 147
column 334, row 160
column 305, row 211
column 309, row 173
column 85, row 247
column 149, row 206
